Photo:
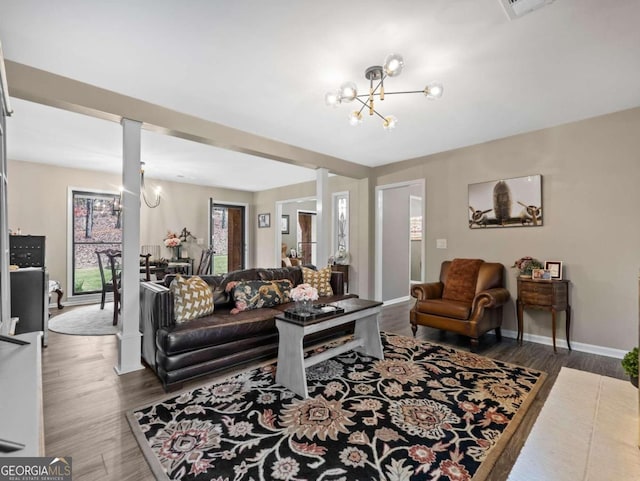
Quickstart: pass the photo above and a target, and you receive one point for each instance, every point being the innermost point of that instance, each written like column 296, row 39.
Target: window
column 340, row 222
column 95, row 227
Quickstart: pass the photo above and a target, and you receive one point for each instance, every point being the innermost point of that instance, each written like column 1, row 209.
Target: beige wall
column 38, row 196
column 591, row 173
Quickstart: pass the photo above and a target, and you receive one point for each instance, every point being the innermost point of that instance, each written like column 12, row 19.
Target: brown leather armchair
column 468, row 299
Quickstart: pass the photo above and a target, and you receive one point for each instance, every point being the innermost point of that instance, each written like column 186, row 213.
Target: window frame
column 71, row 193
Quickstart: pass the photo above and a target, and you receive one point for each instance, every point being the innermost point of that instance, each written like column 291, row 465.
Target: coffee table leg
column 290, row 370
column 367, row 329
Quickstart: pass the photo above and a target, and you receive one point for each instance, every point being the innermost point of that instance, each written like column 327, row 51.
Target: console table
column 547, row 296
column 21, row 411
column 344, row 268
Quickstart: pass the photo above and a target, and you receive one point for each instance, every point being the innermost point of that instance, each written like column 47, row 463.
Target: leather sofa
column 471, row 308
column 179, row 352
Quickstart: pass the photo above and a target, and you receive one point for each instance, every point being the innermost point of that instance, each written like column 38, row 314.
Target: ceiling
column 263, row 67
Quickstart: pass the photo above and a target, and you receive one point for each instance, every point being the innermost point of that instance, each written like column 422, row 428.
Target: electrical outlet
column 441, row 243
column 200, row 241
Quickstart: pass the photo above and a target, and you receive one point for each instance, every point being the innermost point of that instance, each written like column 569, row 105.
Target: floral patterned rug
column 425, row 412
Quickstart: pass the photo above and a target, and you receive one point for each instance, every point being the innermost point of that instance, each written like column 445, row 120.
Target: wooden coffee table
column 291, row 362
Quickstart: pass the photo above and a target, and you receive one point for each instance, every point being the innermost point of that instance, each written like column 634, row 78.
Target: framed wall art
column 555, row 268
column 264, row 220
column 284, row 224
column 513, row 202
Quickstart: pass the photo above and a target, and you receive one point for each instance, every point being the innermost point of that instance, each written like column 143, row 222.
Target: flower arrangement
column 304, row 292
column 526, row 265
column 172, row 240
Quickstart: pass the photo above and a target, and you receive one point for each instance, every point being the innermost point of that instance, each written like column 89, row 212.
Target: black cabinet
column 30, row 300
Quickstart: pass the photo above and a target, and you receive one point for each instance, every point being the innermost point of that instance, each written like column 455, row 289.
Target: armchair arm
column 491, row 298
column 431, row 290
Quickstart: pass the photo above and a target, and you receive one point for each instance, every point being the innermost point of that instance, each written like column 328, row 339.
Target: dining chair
column 205, row 261
column 105, row 273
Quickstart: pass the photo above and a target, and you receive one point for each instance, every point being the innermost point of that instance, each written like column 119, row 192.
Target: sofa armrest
column 430, row 290
column 337, row 283
column 496, row 297
column 156, row 311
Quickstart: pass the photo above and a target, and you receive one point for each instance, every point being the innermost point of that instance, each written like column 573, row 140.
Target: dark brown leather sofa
column 178, row 352
column 472, row 308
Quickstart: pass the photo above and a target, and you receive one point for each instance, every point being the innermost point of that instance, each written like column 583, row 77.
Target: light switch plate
column 441, row 243
column 200, row 241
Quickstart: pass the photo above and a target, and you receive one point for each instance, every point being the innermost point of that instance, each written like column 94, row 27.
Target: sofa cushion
column 257, row 294
column 293, row 273
column 445, row 308
column 218, row 328
column 461, row 281
column 192, row 298
column 319, row 279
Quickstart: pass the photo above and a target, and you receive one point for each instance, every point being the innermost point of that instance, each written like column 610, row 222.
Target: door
column 227, row 237
column 307, row 236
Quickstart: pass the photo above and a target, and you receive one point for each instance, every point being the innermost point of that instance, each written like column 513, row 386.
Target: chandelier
column 156, row 201
column 117, row 201
column 348, row 92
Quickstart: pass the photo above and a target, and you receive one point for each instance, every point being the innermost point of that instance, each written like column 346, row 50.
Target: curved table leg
column 553, row 328
column 520, row 323
column 568, row 314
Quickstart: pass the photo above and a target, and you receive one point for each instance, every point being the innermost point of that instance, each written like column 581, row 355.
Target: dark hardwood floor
column 85, row 400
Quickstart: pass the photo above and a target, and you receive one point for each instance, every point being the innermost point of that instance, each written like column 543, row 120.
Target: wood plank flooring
column 85, row 400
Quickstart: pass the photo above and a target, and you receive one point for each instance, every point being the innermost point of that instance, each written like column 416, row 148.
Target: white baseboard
column 397, row 300
column 576, row 346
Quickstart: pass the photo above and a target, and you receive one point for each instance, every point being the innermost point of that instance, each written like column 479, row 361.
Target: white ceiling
column 264, row 67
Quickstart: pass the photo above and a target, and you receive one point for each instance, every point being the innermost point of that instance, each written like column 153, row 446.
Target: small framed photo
column 284, row 224
column 537, row 274
column 555, row 268
column 264, row 220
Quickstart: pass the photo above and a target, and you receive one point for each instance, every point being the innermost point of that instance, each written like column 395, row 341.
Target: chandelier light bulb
column 355, row 118
column 434, row 90
column 332, row 98
column 393, row 64
column 390, row 122
column 348, row 91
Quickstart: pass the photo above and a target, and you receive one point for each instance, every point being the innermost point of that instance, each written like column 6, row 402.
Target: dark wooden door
column 305, row 220
column 235, row 246
column 227, row 237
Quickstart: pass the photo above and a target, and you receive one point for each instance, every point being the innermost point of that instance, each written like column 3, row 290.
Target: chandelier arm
column 150, row 204
column 406, row 92
column 365, row 104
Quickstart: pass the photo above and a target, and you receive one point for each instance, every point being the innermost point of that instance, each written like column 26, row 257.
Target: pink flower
column 304, row 292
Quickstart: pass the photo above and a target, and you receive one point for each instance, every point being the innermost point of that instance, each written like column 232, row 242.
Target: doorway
column 307, row 233
column 399, row 246
column 227, row 236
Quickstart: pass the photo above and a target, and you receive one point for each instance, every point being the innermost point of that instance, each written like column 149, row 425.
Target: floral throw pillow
column 256, row 294
column 192, row 298
column 319, row 279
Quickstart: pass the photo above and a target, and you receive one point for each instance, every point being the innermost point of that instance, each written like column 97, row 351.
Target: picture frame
column 515, row 202
column 541, row 274
column 284, row 224
column 555, row 268
column 264, row 220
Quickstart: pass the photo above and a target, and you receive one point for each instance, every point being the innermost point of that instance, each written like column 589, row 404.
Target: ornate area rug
column 425, row 412
column 85, row 321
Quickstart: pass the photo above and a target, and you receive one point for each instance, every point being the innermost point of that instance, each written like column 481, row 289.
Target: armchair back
column 490, row 275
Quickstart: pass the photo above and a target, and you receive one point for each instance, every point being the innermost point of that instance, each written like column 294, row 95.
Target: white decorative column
column 129, row 333
column 323, row 217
